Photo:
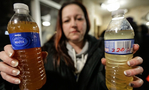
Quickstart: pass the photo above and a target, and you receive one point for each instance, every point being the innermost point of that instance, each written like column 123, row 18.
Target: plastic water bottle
column 119, row 40
column 24, row 37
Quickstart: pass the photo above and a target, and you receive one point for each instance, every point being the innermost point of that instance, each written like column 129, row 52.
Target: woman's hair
column 60, row 38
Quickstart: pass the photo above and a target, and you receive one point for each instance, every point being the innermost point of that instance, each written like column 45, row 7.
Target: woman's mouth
column 74, row 31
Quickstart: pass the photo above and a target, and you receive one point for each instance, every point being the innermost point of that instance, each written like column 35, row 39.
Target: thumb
column 103, row 61
column 135, row 48
column 44, row 55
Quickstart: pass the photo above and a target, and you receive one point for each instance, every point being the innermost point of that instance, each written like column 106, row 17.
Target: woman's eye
column 66, row 21
column 80, row 19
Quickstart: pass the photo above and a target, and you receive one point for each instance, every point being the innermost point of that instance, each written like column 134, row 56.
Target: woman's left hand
column 137, row 82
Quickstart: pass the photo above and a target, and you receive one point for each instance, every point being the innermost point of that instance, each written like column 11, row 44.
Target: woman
column 73, row 61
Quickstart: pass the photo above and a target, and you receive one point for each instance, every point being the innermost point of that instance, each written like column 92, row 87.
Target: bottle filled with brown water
column 24, row 37
column 119, row 40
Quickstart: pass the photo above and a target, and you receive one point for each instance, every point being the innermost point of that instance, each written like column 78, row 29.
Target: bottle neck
column 21, row 11
column 117, row 16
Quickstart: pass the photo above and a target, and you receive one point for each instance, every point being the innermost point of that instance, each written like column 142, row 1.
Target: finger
column 134, row 71
column 9, row 51
column 136, row 83
column 135, row 48
column 135, row 61
column 10, row 61
column 8, row 69
column 44, row 54
column 10, row 79
column 103, row 61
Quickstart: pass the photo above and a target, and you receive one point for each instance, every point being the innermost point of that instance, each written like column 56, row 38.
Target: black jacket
column 63, row 78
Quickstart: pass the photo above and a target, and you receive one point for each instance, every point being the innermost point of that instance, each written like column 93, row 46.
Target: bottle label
column 119, row 46
column 24, row 40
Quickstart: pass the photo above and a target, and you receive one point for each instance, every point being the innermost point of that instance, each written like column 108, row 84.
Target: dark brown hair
column 60, row 38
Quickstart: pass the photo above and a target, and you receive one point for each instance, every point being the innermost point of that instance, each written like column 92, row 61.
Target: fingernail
column 17, row 81
column 10, row 54
column 16, row 72
column 14, row 63
column 128, row 63
column 127, row 73
column 130, row 84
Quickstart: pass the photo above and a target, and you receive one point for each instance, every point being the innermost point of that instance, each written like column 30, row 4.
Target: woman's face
column 73, row 23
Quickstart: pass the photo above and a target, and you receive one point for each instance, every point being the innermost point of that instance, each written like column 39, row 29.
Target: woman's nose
column 73, row 23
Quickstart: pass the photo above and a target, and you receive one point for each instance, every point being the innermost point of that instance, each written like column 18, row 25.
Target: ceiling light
column 46, row 17
column 46, row 20
column 103, row 6
column 46, row 23
column 113, row 6
column 147, row 23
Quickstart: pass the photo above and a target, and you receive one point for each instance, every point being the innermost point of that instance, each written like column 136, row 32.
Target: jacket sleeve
column 101, row 72
column 101, row 76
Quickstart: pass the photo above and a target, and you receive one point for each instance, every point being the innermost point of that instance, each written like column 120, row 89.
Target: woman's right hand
column 8, row 65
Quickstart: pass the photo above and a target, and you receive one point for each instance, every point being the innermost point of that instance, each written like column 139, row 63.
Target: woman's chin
column 76, row 39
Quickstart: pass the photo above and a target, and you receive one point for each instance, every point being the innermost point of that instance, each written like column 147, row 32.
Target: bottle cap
column 119, row 11
column 20, row 5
